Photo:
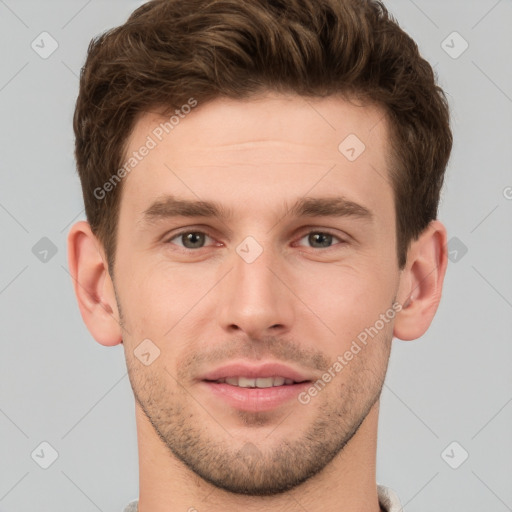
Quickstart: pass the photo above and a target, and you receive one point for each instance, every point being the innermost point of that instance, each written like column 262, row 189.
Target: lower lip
column 255, row 399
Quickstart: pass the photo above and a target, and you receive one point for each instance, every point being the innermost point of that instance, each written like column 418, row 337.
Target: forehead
column 259, row 152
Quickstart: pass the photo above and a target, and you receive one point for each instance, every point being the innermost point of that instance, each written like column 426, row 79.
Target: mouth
column 263, row 375
column 260, row 382
column 250, row 388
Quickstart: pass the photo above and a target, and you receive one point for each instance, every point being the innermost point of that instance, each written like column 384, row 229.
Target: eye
column 190, row 239
column 321, row 239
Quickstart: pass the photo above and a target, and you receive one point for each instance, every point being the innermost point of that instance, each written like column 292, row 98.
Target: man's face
column 261, row 286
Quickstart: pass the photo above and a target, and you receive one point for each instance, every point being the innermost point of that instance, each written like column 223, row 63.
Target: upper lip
column 255, row 371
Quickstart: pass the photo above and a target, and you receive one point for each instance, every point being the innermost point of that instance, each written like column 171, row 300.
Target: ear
column 421, row 282
column 93, row 286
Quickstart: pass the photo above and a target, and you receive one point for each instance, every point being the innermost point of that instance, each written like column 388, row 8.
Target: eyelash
column 316, row 231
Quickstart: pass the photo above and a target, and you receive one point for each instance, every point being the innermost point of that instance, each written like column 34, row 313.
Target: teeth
column 247, row 383
column 261, row 382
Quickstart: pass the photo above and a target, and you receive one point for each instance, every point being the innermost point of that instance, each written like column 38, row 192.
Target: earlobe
column 93, row 286
column 421, row 282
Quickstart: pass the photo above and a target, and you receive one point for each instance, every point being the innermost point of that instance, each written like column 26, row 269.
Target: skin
column 300, row 303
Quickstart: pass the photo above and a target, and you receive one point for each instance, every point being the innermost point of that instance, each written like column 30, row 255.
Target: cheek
column 346, row 299
column 146, row 300
column 160, row 298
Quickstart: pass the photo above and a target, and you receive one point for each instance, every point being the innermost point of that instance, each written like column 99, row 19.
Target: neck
column 346, row 484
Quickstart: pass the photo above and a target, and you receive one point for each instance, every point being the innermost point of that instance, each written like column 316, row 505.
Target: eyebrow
column 171, row 206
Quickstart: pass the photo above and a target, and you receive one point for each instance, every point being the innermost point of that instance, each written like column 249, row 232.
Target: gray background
column 58, row 385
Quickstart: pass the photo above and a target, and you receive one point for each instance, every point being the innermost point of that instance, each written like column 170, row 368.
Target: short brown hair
column 171, row 50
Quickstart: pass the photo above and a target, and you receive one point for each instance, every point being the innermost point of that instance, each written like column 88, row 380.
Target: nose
column 255, row 297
